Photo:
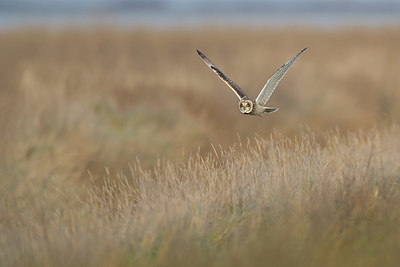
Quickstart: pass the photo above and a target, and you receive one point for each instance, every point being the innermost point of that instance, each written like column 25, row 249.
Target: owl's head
column 246, row 106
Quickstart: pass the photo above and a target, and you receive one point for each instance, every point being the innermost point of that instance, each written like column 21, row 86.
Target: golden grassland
column 106, row 155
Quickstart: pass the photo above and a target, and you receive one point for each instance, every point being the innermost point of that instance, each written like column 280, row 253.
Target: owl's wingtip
column 200, row 53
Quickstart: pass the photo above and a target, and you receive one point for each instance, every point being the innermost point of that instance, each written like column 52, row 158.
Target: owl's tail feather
column 270, row 110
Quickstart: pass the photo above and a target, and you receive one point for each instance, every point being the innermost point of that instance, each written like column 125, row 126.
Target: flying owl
column 249, row 106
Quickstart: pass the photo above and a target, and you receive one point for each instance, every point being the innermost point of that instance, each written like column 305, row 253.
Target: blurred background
column 189, row 13
column 91, row 84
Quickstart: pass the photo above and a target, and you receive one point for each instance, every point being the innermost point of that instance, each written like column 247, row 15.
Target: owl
column 256, row 106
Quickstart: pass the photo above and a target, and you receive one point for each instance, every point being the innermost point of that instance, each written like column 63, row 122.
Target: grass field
column 123, row 148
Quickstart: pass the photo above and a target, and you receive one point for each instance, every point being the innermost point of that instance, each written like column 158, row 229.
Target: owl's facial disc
column 245, row 106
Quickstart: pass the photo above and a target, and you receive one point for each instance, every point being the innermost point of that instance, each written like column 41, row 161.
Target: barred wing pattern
column 236, row 89
column 273, row 82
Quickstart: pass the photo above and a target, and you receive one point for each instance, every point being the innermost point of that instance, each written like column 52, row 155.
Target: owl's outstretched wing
column 273, row 82
column 238, row 91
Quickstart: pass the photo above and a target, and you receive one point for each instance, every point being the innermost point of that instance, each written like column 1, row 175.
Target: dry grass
column 76, row 103
column 274, row 201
